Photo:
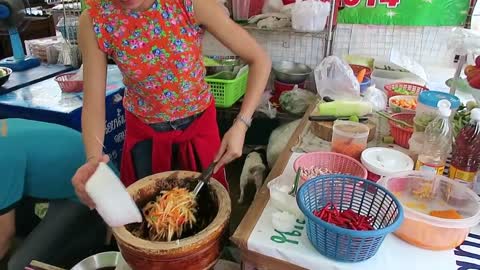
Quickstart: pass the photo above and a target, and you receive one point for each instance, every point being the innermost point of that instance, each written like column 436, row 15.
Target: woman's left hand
column 232, row 145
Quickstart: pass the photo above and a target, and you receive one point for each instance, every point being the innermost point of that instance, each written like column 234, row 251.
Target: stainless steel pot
column 100, row 260
column 291, row 72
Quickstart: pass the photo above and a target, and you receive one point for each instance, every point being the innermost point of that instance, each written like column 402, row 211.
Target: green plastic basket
column 228, row 92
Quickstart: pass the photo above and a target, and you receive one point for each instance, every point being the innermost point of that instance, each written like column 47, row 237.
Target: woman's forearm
column 259, row 72
column 95, row 77
column 93, row 127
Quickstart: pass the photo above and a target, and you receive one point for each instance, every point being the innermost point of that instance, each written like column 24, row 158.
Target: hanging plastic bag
column 297, row 100
column 376, row 97
column 310, row 15
column 266, row 106
column 335, row 79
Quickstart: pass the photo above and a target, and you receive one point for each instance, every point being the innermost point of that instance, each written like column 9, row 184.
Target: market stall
column 380, row 172
column 45, row 101
column 264, row 247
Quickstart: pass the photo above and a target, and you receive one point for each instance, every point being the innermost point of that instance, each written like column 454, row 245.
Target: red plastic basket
column 401, row 134
column 415, row 89
column 357, row 68
column 67, row 85
column 334, row 162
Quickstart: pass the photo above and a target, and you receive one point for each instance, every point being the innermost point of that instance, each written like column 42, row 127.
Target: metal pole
column 461, row 63
column 329, row 41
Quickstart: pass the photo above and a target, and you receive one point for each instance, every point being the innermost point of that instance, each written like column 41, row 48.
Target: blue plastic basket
column 360, row 195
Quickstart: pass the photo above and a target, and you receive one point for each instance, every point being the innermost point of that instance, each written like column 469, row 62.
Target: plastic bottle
column 438, row 141
column 466, row 152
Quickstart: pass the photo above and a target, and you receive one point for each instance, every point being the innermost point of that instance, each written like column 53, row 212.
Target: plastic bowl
column 401, row 134
column 333, row 162
column 398, row 109
column 420, row 193
column 4, row 79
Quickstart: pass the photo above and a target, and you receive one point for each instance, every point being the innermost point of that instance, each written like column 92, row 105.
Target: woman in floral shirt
column 170, row 112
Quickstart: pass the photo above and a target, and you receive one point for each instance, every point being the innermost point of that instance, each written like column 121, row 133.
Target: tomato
column 469, row 69
column 477, row 61
column 475, row 82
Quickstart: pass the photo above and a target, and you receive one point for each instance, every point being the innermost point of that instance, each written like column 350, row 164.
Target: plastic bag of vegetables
column 335, row 79
column 297, row 100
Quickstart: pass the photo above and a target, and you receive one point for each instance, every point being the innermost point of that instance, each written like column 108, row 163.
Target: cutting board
column 324, row 130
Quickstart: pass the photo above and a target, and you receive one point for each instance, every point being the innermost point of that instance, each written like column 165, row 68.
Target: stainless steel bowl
column 291, row 72
column 4, row 79
column 100, row 260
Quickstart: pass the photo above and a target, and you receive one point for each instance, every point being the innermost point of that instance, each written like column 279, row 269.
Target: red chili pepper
column 346, row 219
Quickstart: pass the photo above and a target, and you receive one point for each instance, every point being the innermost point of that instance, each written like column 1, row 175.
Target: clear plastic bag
column 376, row 97
column 297, row 100
column 310, row 15
column 266, row 106
column 335, row 79
column 464, row 41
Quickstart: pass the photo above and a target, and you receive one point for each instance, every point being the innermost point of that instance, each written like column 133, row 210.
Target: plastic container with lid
column 427, row 108
column 421, row 196
column 349, row 138
column 381, row 162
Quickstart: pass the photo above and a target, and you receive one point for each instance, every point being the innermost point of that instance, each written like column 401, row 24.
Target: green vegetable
column 403, row 91
column 471, row 105
column 344, row 108
column 354, row 118
column 388, row 140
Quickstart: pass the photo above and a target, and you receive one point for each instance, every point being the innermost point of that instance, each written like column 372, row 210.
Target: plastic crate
column 228, row 92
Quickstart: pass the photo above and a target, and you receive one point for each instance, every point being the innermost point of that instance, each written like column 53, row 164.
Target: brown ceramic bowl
column 199, row 251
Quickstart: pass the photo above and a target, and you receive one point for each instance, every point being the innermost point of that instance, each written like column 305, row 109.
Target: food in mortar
column 170, row 214
column 347, row 219
column 174, row 214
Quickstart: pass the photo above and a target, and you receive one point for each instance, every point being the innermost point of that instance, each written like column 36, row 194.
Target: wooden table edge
column 246, row 226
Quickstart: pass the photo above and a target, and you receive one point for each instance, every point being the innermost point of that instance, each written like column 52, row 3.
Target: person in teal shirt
column 38, row 160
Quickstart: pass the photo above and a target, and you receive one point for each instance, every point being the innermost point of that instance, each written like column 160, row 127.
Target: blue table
column 44, row 101
column 20, row 79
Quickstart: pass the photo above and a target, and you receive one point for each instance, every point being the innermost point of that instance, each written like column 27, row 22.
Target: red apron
column 201, row 140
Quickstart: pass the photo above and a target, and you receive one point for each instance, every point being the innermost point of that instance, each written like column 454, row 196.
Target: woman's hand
column 232, row 145
column 81, row 178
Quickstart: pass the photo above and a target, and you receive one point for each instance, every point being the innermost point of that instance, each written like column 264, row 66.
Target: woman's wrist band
column 246, row 121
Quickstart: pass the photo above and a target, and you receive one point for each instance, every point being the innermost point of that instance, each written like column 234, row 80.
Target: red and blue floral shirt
column 159, row 52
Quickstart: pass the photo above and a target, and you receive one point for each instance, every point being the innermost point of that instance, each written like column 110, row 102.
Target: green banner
column 405, row 12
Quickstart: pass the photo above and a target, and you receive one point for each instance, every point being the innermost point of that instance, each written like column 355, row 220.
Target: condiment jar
column 349, row 138
column 427, row 108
